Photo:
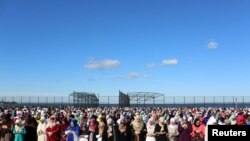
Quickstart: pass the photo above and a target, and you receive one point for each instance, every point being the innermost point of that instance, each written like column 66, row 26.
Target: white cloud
column 212, row 44
column 146, row 76
column 170, row 62
column 133, row 75
column 102, row 64
column 151, row 65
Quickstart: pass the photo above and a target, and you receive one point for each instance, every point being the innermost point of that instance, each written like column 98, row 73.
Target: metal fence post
column 38, row 100
column 214, row 100
column 164, row 100
column 184, row 100
column 137, row 100
column 29, row 101
column 223, row 102
column 243, row 102
column 69, row 100
column 194, row 101
column 204, row 100
column 54, row 100
column 108, row 101
column 144, row 101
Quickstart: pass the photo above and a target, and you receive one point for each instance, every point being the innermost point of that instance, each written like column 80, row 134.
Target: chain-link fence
column 113, row 101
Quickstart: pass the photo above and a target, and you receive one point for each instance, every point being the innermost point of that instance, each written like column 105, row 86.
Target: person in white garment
column 41, row 130
column 150, row 130
column 173, row 130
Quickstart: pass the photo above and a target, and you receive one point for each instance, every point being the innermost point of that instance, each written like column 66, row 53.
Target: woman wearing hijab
column 41, row 130
column 150, row 130
column 73, row 131
column 83, row 125
column 184, row 129
column 53, row 130
column 83, row 128
column 102, row 132
column 123, row 133
column 161, row 130
column 6, row 127
column 138, row 129
column 198, row 132
column 31, row 129
column 64, row 126
column 173, row 130
column 19, row 131
column 111, row 130
column 93, row 129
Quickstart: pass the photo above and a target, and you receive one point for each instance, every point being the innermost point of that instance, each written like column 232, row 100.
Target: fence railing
column 178, row 101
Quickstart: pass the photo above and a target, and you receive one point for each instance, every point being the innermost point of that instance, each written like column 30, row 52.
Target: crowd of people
column 114, row 124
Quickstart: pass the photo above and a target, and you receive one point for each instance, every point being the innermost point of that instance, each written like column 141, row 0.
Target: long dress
column 112, row 133
column 161, row 132
column 123, row 133
column 31, row 133
column 184, row 134
column 198, row 136
column 63, row 128
column 102, row 132
column 173, row 132
column 41, row 132
column 55, row 130
column 139, row 128
column 150, row 133
column 6, row 131
column 93, row 130
column 74, row 136
column 83, row 130
column 19, row 133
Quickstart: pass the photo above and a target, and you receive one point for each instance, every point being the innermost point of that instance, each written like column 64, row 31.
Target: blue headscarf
column 74, row 121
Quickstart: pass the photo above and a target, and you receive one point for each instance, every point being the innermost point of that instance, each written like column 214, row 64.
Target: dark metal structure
column 84, row 99
column 143, row 98
column 123, row 100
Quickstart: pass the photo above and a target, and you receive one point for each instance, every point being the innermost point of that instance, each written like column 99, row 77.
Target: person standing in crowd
column 154, row 115
column 73, row 131
column 123, row 133
column 198, row 132
column 211, row 121
column 53, row 130
column 241, row 120
column 173, row 130
column 248, row 119
column 6, row 127
column 19, row 131
column 83, row 124
column 161, row 130
column 185, row 130
column 31, row 129
column 138, row 128
column 64, row 126
column 41, row 130
column 111, row 130
column 93, row 129
column 150, row 130
column 102, row 129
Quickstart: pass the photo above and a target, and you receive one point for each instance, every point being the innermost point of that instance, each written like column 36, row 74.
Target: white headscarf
column 151, row 128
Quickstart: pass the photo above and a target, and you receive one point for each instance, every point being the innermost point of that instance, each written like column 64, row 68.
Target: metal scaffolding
column 144, row 98
column 84, row 99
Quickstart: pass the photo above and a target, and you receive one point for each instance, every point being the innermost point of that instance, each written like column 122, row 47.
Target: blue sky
column 192, row 47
